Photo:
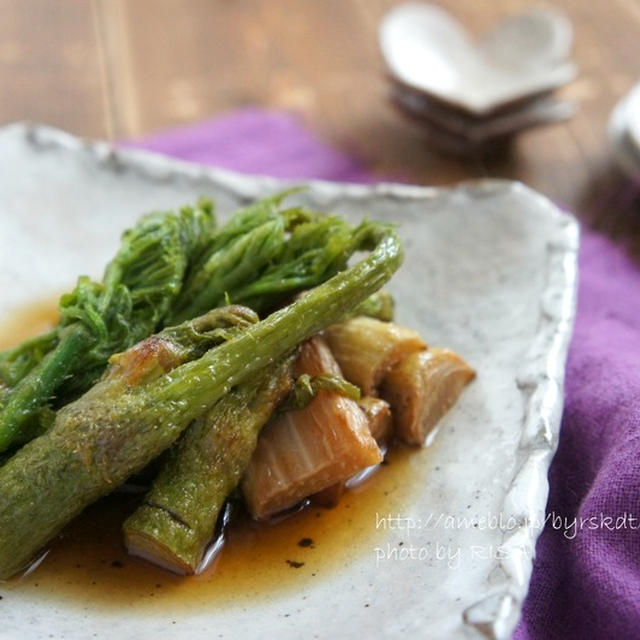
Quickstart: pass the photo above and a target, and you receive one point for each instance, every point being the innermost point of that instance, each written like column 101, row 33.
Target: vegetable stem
column 177, row 519
column 20, row 405
column 99, row 319
column 115, row 429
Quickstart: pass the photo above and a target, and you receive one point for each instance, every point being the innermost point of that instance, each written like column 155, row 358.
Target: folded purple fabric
column 586, row 578
column 260, row 142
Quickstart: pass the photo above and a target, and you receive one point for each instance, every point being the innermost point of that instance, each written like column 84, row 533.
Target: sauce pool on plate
column 28, row 321
column 87, row 564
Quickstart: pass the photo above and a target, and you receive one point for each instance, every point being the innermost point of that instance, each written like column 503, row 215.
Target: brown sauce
column 88, row 566
column 28, row 321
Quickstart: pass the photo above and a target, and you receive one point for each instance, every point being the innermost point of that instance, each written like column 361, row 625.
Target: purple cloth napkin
column 586, row 578
column 260, row 142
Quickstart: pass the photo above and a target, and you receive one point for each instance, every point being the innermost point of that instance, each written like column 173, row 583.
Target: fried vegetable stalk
column 379, row 417
column 170, row 268
column 177, row 520
column 380, row 306
column 265, row 254
column 380, row 423
column 422, row 388
column 153, row 357
column 306, row 388
column 316, row 250
column 236, row 254
column 366, row 349
column 307, row 450
column 175, row 524
column 116, row 429
column 99, row 319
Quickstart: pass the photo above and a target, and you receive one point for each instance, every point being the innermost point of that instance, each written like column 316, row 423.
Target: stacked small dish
column 473, row 97
column 624, row 133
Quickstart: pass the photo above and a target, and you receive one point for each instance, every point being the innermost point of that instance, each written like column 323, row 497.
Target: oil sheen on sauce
column 87, row 565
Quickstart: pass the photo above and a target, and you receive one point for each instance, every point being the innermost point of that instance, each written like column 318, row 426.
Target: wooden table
column 119, row 68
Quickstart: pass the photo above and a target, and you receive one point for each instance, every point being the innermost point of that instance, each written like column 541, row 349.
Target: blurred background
column 118, row 69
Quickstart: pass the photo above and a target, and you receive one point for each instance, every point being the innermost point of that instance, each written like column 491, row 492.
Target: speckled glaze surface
column 490, row 271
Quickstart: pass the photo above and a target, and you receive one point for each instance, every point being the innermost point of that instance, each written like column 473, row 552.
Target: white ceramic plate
column 490, row 271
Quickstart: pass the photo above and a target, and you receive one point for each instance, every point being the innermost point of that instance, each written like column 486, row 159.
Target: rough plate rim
column 541, row 378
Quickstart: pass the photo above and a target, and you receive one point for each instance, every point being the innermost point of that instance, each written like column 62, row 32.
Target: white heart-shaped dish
column 426, row 49
column 622, row 135
column 632, row 114
column 537, row 112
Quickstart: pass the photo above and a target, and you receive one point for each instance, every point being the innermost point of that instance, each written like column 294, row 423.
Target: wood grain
column 50, row 66
column 121, row 68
